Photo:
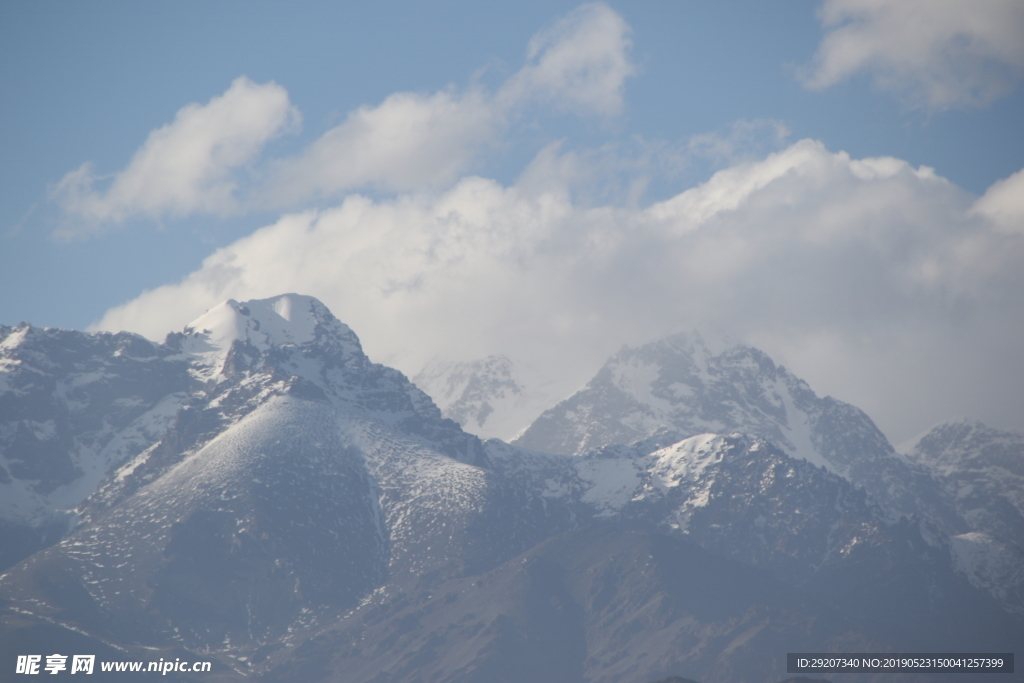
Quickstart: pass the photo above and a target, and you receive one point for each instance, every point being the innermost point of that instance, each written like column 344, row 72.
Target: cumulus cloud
column 415, row 141
column 1003, row 204
column 184, row 167
column 935, row 53
column 410, row 141
column 878, row 282
column 883, row 284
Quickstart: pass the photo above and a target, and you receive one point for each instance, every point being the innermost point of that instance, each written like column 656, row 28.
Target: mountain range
column 256, row 492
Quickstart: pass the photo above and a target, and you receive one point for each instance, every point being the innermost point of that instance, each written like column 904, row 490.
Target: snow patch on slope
column 609, row 483
column 987, row 563
column 797, row 429
column 684, row 462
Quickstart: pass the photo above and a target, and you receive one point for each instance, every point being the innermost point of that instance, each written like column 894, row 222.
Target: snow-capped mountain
column 257, row 492
column 982, row 471
column 987, row 467
column 743, row 498
column 677, row 387
column 292, row 479
column 483, row 395
column 962, row 481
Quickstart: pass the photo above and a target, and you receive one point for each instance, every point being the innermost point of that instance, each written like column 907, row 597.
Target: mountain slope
column 72, row 407
column 602, row 604
column 744, row 499
column 599, row 604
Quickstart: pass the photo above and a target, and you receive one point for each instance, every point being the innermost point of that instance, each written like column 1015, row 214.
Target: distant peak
column 959, row 424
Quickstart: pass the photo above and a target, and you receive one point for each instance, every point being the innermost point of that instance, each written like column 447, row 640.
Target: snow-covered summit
column 287, row 320
column 983, row 471
column 962, row 443
column 77, row 408
column 680, row 385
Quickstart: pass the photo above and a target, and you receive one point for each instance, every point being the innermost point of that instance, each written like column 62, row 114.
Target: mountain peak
column 482, row 395
column 285, row 320
column 277, row 321
column 678, row 384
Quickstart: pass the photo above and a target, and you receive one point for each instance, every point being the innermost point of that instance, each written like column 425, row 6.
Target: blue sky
column 475, row 178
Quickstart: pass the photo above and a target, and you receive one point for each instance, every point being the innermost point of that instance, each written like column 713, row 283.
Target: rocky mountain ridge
column 299, row 511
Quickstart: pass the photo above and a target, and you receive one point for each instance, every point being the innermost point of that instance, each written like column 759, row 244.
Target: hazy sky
column 839, row 183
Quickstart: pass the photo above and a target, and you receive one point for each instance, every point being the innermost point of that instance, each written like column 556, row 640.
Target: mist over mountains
column 256, row 492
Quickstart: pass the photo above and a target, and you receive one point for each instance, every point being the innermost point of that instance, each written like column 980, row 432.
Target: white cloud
column 410, row 141
column 1003, row 204
column 414, row 141
column 935, row 53
column 874, row 280
column 185, row 166
column 581, row 63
